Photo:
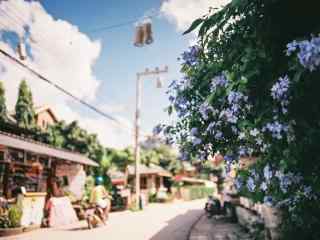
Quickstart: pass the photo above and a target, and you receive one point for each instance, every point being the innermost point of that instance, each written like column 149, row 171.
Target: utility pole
column 147, row 72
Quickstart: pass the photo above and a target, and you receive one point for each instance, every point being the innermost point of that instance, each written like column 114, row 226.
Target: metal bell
column 147, row 33
column 138, row 40
column 21, row 49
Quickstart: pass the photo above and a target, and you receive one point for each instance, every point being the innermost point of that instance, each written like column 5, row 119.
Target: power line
column 98, row 111
column 105, row 28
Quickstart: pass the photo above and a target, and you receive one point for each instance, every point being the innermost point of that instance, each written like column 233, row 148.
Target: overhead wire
column 16, row 20
column 66, row 92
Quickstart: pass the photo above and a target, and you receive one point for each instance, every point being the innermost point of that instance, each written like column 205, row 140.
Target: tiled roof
column 152, row 169
column 15, row 141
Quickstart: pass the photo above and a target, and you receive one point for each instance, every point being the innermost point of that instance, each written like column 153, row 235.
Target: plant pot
column 5, row 232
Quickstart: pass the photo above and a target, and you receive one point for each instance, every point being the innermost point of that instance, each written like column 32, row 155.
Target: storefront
column 38, row 172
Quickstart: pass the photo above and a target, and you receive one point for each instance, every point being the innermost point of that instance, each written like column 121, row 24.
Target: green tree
column 3, row 107
column 25, row 113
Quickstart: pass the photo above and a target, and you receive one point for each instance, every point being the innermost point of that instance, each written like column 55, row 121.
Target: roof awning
column 40, row 148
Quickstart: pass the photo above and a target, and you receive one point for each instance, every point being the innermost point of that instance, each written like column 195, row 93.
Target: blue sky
column 120, row 60
column 99, row 67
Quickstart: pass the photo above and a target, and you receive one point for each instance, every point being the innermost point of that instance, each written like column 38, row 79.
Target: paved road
column 156, row 222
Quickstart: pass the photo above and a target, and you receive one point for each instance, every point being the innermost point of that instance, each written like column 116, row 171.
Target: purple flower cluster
column 264, row 186
column 238, row 183
column 279, row 92
column 181, row 106
column 251, row 184
column 276, row 129
column 309, row 52
column 184, row 156
column 205, row 109
column 219, row 81
column 232, row 113
column 196, row 141
column 158, row 129
column 267, row 173
column 268, row 200
column 190, row 57
column 287, row 180
column 194, row 131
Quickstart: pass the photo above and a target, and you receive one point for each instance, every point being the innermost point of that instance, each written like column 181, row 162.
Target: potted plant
column 10, row 221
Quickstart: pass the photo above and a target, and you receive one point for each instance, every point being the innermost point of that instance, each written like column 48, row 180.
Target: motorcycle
column 213, row 207
column 96, row 215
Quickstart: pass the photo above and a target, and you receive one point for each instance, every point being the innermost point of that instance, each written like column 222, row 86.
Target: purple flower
column 218, row 135
column 229, row 115
column 234, row 97
column 234, row 130
column 184, row 156
column 291, row 47
column 205, row 109
column 307, row 191
column 241, row 136
column 238, row 183
column 190, row 57
column 308, row 52
column 196, row 141
column 254, row 132
column 250, row 184
column 280, row 88
column 267, row 173
column 268, row 200
column 242, row 151
column 264, row 186
column 194, row 131
column 210, row 128
column 158, row 129
column 276, row 129
column 219, row 81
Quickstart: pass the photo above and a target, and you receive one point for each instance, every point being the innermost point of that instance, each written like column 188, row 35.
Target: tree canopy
column 3, row 107
column 24, row 110
column 250, row 88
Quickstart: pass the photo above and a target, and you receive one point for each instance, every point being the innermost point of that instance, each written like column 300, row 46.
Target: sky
column 98, row 66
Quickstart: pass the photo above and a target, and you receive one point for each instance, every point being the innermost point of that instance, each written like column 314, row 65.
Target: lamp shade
column 138, row 38
column 147, row 33
column 21, row 49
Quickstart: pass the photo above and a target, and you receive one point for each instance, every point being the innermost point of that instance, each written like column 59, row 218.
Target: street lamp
column 147, row 72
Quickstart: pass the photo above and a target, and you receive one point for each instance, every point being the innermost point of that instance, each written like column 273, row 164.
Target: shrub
column 198, row 192
column 15, row 215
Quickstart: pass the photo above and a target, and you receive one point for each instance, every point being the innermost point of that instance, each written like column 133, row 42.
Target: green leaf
column 194, row 25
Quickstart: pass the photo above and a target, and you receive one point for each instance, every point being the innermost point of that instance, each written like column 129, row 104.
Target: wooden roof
column 152, row 169
column 14, row 141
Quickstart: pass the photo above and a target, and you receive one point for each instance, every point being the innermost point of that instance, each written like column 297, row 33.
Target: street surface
column 157, row 222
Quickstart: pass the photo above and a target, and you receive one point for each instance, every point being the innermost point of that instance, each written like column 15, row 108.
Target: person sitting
column 100, row 196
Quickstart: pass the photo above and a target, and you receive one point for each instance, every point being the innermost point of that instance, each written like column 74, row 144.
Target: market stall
column 31, row 173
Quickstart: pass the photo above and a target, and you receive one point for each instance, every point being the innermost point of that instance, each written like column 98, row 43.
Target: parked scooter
column 212, row 207
column 96, row 216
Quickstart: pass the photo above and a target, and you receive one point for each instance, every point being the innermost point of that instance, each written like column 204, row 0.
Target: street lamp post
column 147, row 72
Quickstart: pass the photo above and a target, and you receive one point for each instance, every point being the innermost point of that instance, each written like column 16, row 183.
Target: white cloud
column 64, row 55
column 182, row 13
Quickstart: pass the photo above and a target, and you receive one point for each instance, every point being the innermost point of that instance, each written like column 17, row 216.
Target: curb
column 193, row 225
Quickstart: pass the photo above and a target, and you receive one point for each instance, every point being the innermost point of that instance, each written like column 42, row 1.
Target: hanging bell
column 138, row 40
column 147, row 33
column 21, row 49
